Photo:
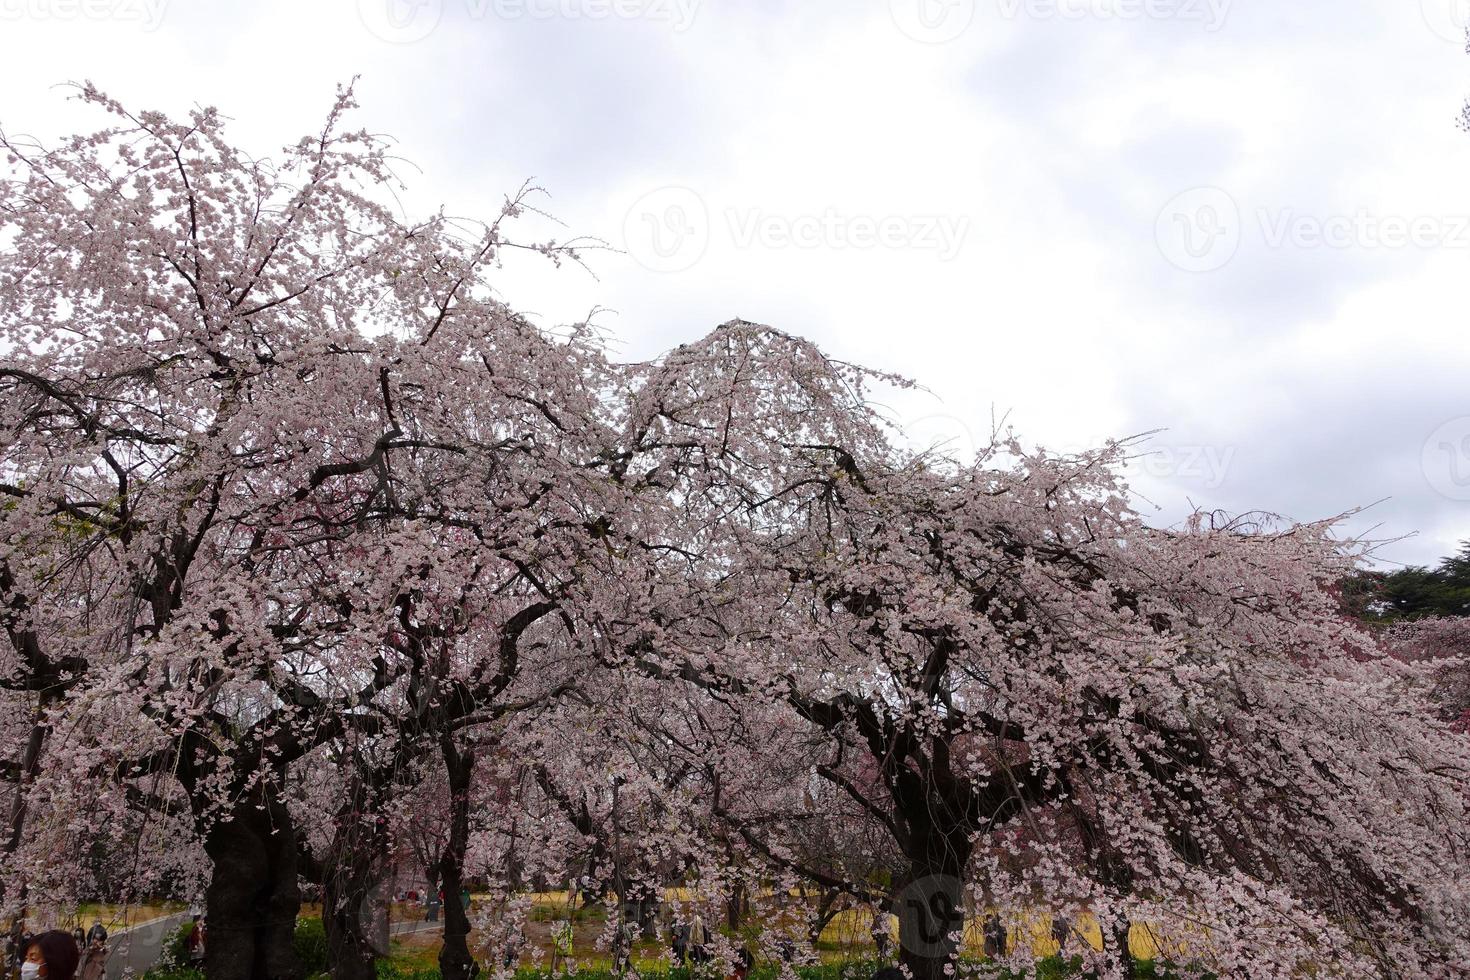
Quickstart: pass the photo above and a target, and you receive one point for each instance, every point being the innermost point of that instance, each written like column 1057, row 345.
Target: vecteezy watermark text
column 1205, row 466
column 1210, row 14
column 669, row 230
column 407, row 21
column 940, row 21
column 942, row 234
column 148, row 14
column 1201, row 230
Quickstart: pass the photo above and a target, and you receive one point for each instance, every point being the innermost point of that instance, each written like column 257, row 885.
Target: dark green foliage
column 1412, row 592
column 311, row 949
column 311, row 945
column 387, row 970
column 173, row 973
column 175, row 953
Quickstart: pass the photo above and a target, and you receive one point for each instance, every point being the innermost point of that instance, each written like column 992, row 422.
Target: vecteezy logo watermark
column 942, row 234
column 667, row 230
column 372, row 918
column 942, row 436
column 1199, row 230
column 1450, row 19
column 1206, row 466
column 932, row 21
column 1202, row 229
column 148, row 14
column 1209, row 13
column 406, row 21
column 1446, row 459
column 931, row 916
column 400, row 21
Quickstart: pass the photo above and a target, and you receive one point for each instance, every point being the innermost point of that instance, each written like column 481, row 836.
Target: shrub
column 311, row 945
column 310, row 942
column 388, row 970
column 175, row 953
column 173, row 973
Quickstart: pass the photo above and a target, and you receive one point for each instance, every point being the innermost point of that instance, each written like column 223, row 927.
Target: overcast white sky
column 1246, row 222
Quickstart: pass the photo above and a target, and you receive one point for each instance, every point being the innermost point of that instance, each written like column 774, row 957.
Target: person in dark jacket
column 1061, row 929
column 995, row 936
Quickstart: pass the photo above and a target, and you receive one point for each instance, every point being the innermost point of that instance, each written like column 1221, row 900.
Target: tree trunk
column 827, row 909
column 352, row 910
column 930, row 907
column 252, row 899
column 1126, row 963
column 30, row 765
column 352, row 952
column 1115, row 874
column 455, row 961
column 735, row 908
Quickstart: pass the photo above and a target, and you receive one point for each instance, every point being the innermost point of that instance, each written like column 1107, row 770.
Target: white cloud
column 1296, row 378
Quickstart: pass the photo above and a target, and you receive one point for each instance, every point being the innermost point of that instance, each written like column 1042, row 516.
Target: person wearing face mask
column 50, row 956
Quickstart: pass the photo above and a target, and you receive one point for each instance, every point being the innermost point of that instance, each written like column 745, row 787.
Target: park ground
column 845, row 939
column 415, row 943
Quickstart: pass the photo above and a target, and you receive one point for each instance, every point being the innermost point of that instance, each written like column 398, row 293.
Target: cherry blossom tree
column 1179, row 719
column 1442, row 645
column 276, row 463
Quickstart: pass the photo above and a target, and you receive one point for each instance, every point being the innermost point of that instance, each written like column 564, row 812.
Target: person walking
column 50, row 956
column 995, row 936
column 698, row 941
column 194, row 942
column 1061, row 928
column 513, row 942
column 882, row 938
column 14, row 946
column 623, row 947
column 94, row 962
column 98, row 931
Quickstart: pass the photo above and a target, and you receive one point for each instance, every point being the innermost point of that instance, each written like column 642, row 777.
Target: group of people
column 996, row 937
column 993, row 933
column 58, row 955
column 432, row 901
column 690, row 942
